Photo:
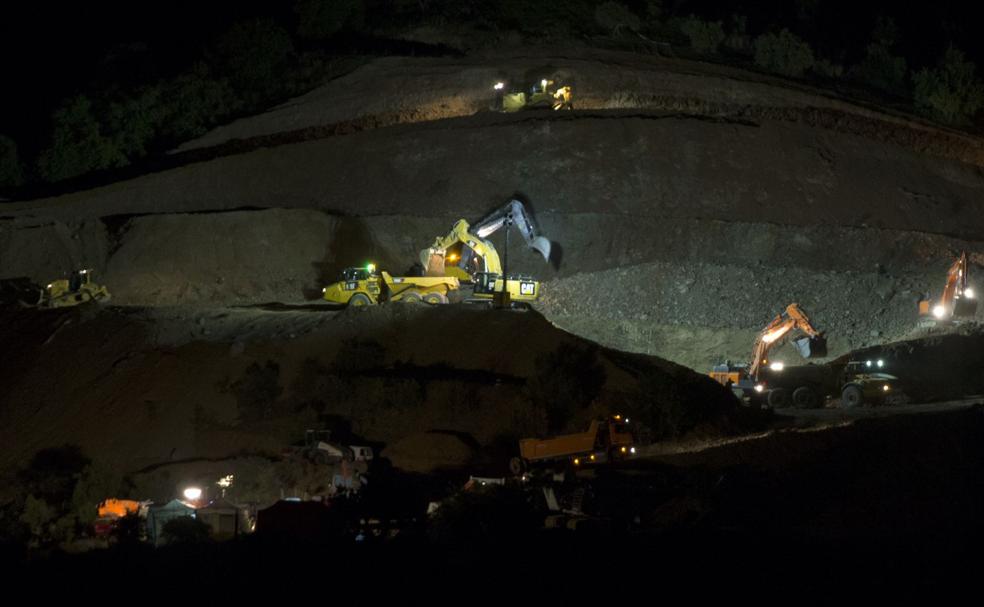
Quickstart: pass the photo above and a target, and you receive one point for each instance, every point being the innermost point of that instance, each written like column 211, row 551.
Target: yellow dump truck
column 364, row 286
column 604, row 441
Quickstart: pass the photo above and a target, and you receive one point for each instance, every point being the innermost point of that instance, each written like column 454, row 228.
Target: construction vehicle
column 464, row 252
column 545, row 93
column 957, row 301
column 604, row 441
column 319, row 448
column 76, row 289
column 856, row 383
column 744, row 378
column 364, row 286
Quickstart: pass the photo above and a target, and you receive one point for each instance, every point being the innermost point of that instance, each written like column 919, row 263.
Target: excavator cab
column 811, row 347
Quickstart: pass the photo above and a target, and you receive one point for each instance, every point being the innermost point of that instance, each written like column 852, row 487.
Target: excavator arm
column 812, row 346
column 477, row 254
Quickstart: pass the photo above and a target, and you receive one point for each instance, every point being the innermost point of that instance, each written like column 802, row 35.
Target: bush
column 827, row 69
column 185, row 530
column 321, row 19
column 613, row 17
column 193, row 102
column 881, row 69
column 705, row 36
column 951, row 92
column 11, row 171
column 783, row 53
column 79, row 143
column 134, row 122
column 254, row 55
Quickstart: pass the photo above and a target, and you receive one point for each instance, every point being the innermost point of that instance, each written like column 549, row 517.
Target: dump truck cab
column 864, row 382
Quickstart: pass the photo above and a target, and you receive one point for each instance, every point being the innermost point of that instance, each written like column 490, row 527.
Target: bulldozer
column 78, row 288
column 364, row 286
column 464, row 252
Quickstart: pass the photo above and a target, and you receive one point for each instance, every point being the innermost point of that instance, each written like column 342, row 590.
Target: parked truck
column 604, row 441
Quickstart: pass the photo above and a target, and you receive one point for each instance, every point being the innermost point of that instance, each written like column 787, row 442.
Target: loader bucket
column 811, row 347
column 965, row 307
column 542, row 246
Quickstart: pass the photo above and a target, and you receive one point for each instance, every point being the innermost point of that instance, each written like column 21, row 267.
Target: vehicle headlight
column 759, row 388
column 938, row 311
column 885, row 388
column 631, row 449
column 969, row 293
column 777, row 366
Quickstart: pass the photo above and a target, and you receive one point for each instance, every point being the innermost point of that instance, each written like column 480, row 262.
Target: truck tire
column 778, row 399
column 805, row 397
column 517, row 465
column 360, row 299
column 411, row 298
column 435, row 298
column 852, row 396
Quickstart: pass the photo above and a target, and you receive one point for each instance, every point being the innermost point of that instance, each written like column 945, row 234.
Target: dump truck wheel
column 852, row 397
column 410, row 298
column 435, row 298
column 517, row 466
column 806, row 397
column 778, row 399
column 360, row 299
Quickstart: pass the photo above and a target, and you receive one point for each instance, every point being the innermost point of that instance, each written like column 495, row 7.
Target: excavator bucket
column 811, row 347
column 542, row 246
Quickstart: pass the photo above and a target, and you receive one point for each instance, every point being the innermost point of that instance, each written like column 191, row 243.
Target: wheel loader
column 364, row 286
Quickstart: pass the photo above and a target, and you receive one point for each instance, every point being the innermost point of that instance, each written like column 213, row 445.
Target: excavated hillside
column 689, row 204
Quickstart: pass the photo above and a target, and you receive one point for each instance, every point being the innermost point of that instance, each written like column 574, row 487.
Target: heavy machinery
column 744, row 379
column 464, row 252
column 320, row 449
column 77, row 288
column 545, row 93
column 605, row 440
column 364, row 286
column 957, row 300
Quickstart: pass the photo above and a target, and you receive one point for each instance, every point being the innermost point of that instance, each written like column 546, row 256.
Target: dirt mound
column 110, row 385
column 427, row 452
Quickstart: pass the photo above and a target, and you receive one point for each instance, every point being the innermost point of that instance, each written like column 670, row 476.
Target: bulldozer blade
column 542, row 246
column 811, row 347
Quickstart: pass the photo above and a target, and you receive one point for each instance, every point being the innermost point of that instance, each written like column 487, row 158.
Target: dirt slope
column 681, row 233
column 134, row 395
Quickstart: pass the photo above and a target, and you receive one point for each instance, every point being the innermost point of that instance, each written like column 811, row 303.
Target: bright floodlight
column 777, row 366
column 969, row 293
column 938, row 311
column 498, row 86
column 881, row 363
column 759, row 388
column 192, row 493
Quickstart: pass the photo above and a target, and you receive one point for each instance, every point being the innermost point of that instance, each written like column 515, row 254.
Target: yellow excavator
column 957, row 300
column 465, row 253
column 744, row 379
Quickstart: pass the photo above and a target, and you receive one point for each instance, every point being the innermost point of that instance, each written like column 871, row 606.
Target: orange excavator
column 744, row 379
column 958, row 298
